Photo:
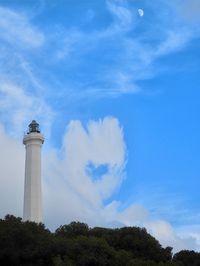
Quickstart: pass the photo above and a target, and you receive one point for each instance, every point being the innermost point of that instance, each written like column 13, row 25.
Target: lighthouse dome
column 34, row 127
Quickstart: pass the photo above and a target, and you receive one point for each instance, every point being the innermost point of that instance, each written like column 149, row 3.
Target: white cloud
column 167, row 236
column 100, row 143
column 136, row 50
column 16, row 29
column 137, row 215
column 22, row 97
column 134, row 214
column 175, row 40
column 18, row 108
column 81, row 197
column 11, row 175
column 190, row 231
column 70, row 193
column 132, row 60
column 123, row 17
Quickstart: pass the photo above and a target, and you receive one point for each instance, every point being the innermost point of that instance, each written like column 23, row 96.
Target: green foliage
column 28, row 243
column 72, row 230
column 57, row 261
column 140, row 262
column 135, row 240
column 21, row 243
column 187, row 258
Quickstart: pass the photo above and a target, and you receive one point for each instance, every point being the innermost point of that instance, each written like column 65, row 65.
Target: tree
column 72, row 230
column 28, row 243
column 136, row 241
column 24, row 243
column 187, row 258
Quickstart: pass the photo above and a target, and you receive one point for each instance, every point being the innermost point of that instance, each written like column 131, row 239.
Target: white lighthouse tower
column 33, row 141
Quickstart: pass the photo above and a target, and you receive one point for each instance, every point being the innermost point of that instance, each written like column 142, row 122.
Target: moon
column 141, row 12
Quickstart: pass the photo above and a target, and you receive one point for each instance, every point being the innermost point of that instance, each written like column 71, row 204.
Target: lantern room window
column 34, row 127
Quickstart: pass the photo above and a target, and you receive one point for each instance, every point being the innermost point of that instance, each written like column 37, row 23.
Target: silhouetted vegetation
column 28, row 243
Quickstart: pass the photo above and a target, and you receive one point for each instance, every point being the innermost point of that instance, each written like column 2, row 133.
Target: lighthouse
column 33, row 141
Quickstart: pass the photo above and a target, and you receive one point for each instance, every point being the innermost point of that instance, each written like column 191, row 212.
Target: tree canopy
column 75, row 244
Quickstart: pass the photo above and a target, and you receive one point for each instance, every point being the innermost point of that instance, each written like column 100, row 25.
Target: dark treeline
column 28, row 243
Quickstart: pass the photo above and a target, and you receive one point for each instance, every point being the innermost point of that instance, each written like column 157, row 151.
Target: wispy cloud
column 129, row 52
column 16, row 29
column 122, row 16
column 21, row 93
column 108, row 61
column 18, row 107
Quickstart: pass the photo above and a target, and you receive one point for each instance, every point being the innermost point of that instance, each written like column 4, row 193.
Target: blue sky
column 117, row 98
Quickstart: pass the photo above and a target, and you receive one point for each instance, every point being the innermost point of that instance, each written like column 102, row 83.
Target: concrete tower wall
column 32, row 188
